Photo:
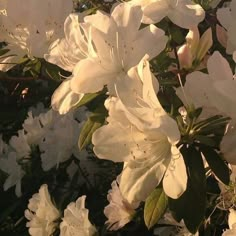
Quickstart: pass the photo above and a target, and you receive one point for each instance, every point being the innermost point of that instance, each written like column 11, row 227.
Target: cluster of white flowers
column 113, row 51
column 54, row 134
column 44, row 217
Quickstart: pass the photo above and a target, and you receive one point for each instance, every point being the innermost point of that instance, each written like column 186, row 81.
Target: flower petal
column 175, row 179
column 89, row 76
column 64, row 99
column 186, row 14
column 137, row 183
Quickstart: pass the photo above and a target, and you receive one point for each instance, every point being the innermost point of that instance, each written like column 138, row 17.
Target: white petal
column 224, row 17
column 64, row 99
column 228, row 145
column 186, row 14
column 90, row 77
column 218, row 68
column 155, row 12
column 117, row 147
column 156, row 44
column 175, row 179
column 137, row 183
column 128, row 19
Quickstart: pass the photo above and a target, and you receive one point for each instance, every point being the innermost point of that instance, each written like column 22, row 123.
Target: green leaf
column 155, row 207
column 4, row 51
column 217, row 165
column 192, row 204
column 94, row 122
column 87, row 98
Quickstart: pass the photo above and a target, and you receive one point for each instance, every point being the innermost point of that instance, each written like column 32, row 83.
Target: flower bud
column 185, row 57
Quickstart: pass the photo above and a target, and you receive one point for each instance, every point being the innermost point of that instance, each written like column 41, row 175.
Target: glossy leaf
column 154, row 208
column 216, row 163
column 192, row 204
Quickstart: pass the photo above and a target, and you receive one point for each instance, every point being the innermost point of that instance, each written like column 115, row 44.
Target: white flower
column 144, row 137
column 60, row 141
column 215, row 91
column 227, row 18
column 119, row 212
column 29, row 27
column 41, row 213
column 20, row 144
column 97, row 48
column 118, row 46
column 183, row 13
column 9, row 165
column 66, row 53
column 34, row 129
column 75, row 220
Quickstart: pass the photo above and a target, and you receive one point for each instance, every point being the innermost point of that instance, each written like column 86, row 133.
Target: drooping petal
column 137, row 183
column 64, row 99
column 175, row 179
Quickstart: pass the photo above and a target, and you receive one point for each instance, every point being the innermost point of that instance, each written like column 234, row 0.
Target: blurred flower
column 41, row 214
column 227, row 18
column 119, row 212
column 9, row 165
column 75, row 220
column 183, row 13
column 144, row 137
column 29, row 27
column 221, row 35
column 60, row 140
column 20, row 144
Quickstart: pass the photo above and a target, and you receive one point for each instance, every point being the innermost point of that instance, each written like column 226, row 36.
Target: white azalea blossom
column 60, row 141
column 119, row 44
column 9, row 165
column 227, row 18
column 119, row 212
column 20, row 144
column 75, row 220
column 66, row 53
column 30, row 26
column 184, row 13
column 215, row 91
column 41, row 213
column 144, row 137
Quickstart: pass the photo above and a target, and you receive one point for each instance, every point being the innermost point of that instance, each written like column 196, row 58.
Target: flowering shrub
column 117, row 118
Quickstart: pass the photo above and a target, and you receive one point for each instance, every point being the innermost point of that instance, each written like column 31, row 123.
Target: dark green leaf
column 191, row 205
column 4, row 51
column 155, row 206
column 217, row 165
